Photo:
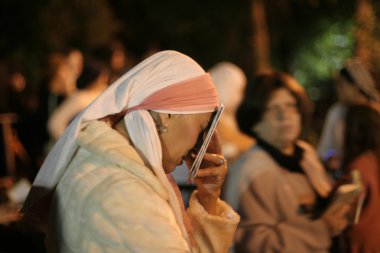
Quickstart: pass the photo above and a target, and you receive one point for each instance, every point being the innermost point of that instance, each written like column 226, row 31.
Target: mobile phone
column 206, row 141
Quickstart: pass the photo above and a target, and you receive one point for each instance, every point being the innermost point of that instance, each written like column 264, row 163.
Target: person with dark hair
column 275, row 184
column 354, row 85
column 362, row 152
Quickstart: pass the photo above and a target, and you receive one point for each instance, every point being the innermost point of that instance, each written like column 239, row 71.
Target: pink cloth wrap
column 194, row 94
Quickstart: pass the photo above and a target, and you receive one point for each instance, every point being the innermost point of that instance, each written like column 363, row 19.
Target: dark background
column 310, row 39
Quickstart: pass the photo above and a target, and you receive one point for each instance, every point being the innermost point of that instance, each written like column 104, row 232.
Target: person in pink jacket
column 362, row 153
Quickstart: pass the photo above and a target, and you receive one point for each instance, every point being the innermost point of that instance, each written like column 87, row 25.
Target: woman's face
column 280, row 125
column 181, row 136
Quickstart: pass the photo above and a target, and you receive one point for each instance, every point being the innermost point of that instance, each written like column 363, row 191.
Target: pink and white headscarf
column 167, row 82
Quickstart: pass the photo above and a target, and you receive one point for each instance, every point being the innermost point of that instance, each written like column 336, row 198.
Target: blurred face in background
column 63, row 79
column 75, row 62
column 280, row 125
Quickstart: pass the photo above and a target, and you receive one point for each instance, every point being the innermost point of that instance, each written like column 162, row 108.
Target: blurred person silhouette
column 16, row 91
column 105, row 186
column 230, row 83
column 3, row 79
column 120, row 60
column 354, row 84
column 17, row 119
column 275, row 185
column 62, row 71
column 21, row 103
column 362, row 152
column 75, row 62
column 92, row 81
column 65, row 69
column 116, row 57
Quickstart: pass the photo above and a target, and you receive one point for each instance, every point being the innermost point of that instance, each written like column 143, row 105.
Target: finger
column 215, row 145
column 211, row 172
column 220, row 168
column 216, row 159
column 190, row 157
column 218, row 180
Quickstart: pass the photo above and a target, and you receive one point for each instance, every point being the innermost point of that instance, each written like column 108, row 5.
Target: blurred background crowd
column 56, row 56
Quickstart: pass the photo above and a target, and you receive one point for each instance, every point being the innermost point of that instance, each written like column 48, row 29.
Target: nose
column 282, row 111
column 285, row 111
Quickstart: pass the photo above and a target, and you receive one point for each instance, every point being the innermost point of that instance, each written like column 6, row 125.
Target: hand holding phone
column 206, row 141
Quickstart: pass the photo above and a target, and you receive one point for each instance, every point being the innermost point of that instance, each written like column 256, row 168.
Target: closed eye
column 203, row 133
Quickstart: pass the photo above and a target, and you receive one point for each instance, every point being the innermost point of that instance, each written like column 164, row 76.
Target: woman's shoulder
column 253, row 153
column 101, row 139
column 364, row 162
column 255, row 161
column 93, row 180
column 254, row 168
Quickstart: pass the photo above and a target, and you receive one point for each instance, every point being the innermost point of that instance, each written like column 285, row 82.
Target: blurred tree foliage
column 20, row 40
column 312, row 39
column 31, row 29
column 80, row 23
column 308, row 38
column 367, row 34
column 209, row 31
column 318, row 60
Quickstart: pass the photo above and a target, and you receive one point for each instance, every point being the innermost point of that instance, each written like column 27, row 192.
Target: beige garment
column 109, row 201
column 269, row 200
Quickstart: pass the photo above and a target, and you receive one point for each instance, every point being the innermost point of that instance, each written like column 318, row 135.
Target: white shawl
column 156, row 72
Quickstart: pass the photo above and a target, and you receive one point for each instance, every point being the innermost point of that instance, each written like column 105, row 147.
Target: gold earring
column 162, row 128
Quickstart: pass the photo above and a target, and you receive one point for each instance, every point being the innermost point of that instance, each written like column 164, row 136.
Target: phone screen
column 204, row 140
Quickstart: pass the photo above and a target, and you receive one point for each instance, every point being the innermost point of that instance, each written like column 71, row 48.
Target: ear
column 164, row 119
column 160, row 120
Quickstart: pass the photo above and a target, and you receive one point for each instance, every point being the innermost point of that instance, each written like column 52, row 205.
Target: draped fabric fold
column 165, row 82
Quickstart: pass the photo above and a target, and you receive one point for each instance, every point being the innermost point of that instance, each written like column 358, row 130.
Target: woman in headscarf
column 275, row 184
column 105, row 187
